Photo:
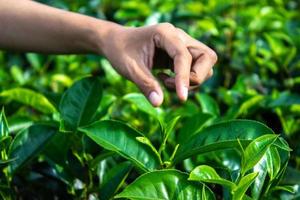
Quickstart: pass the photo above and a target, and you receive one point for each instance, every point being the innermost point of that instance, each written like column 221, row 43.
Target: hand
column 132, row 52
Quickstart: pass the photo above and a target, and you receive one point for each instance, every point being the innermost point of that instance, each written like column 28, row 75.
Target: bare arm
column 30, row 26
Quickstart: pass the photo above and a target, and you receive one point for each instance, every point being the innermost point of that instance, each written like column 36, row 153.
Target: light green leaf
column 80, row 102
column 165, row 185
column 287, row 188
column 168, row 127
column 120, row 138
column 208, row 104
column 143, row 105
column 207, row 174
column 221, row 136
column 243, row 185
column 4, row 131
column 30, row 98
column 256, row 150
column 28, row 143
column 272, row 158
column 248, row 104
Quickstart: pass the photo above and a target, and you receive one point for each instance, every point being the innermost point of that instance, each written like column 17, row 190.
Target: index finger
column 168, row 39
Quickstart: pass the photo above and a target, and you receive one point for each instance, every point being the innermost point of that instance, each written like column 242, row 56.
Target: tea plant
column 74, row 146
column 68, row 138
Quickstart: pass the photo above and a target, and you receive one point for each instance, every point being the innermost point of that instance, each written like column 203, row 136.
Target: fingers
column 143, row 78
column 203, row 63
column 204, row 59
column 167, row 38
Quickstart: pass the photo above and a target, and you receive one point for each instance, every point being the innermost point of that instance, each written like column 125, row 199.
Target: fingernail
column 154, row 98
column 185, row 93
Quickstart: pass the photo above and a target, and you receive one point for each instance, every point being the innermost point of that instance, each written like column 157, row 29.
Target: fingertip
column 182, row 92
column 155, row 98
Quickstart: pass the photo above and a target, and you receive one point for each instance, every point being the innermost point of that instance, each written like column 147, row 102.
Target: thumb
column 148, row 85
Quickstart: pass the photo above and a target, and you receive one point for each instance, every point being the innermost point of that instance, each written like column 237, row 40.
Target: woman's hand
column 133, row 52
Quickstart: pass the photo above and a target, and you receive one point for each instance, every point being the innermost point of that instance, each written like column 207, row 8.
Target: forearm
column 30, row 26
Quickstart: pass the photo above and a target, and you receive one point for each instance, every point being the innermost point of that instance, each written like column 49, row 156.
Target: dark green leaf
column 28, row 143
column 192, row 125
column 80, row 102
column 113, row 180
column 118, row 137
column 221, row 136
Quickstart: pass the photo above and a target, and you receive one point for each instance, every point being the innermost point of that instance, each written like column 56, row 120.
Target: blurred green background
column 257, row 75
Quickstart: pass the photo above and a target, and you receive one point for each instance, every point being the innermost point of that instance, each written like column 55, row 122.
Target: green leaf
column 282, row 144
column 207, row 174
column 192, row 125
column 256, row 150
column 30, row 98
column 4, row 131
column 250, row 103
column 143, row 105
column 34, row 60
column 272, row 158
column 243, row 185
column 80, row 102
column 28, row 143
column 165, row 185
column 208, row 104
column 285, row 99
column 287, row 188
column 120, row 138
column 146, row 141
column 57, row 147
column 113, row 179
column 168, row 127
column 4, row 144
column 221, row 136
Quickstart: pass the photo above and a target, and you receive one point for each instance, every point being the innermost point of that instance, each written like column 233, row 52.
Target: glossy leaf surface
column 165, row 185
column 221, row 136
column 28, row 143
column 118, row 137
column 80, row 102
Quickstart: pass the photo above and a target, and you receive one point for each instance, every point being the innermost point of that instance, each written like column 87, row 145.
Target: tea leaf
column 256, row 150
column 120, row 138
column 80, row 102
column 205, row 173
column 30, row 98
column 165, row 185
column 221, row 136
column 28, row 144
column 243, row 185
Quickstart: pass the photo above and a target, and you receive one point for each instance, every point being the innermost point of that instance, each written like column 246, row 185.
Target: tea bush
column 72, row 128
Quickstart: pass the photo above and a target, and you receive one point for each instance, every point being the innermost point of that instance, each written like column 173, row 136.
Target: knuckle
column 147, row 84
column 211, row 73
column 163, row 27
column 212, row 55
column 199, row 80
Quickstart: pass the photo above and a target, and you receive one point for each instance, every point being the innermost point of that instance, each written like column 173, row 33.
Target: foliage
column 72, row 122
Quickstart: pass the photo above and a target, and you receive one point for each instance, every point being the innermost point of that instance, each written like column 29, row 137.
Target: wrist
column 101, row 38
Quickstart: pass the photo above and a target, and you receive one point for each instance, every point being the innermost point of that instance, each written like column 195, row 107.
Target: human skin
column 28, row 26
